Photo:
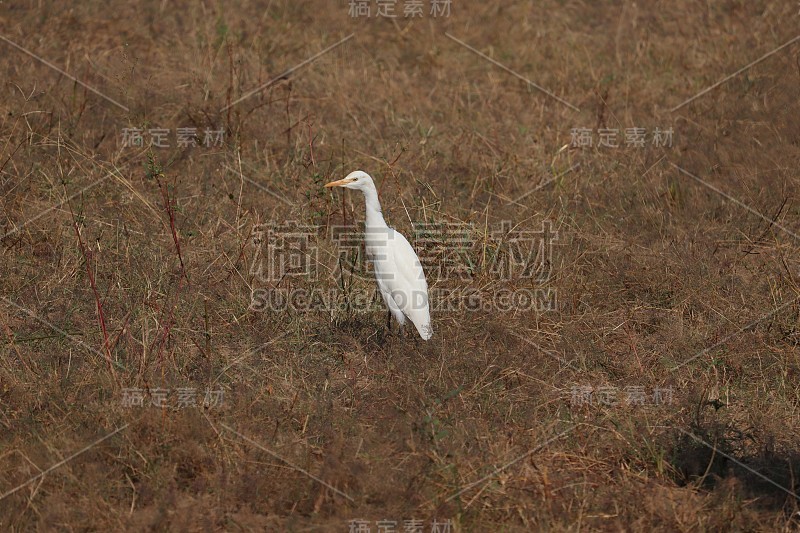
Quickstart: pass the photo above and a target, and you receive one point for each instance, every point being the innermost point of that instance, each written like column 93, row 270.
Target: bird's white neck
column 374, row 216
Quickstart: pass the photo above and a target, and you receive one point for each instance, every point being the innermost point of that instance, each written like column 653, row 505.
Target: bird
column 398, row 270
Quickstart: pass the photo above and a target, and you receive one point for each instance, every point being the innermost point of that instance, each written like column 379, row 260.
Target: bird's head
column 355, row 180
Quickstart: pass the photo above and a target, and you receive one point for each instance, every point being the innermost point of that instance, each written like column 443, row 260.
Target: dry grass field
column 606, row 199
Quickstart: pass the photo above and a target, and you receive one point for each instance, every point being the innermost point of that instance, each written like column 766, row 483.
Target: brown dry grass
column 650, row 268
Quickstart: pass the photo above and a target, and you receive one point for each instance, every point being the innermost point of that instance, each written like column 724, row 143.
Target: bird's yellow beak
column 339, row 183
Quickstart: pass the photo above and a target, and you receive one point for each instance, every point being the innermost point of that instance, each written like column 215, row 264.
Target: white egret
column 398, row 270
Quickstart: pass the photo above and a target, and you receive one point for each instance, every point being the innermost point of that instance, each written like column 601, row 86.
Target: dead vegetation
column 132, row 267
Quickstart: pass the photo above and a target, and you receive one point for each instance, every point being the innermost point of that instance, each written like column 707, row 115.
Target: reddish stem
column 87, row 256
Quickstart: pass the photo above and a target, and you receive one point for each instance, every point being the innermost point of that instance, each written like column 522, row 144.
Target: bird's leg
column 387, row 331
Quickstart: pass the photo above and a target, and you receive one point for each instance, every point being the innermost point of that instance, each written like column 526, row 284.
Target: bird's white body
column 398, row 271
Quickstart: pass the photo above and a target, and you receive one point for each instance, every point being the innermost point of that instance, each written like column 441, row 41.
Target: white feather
column 398, row 271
